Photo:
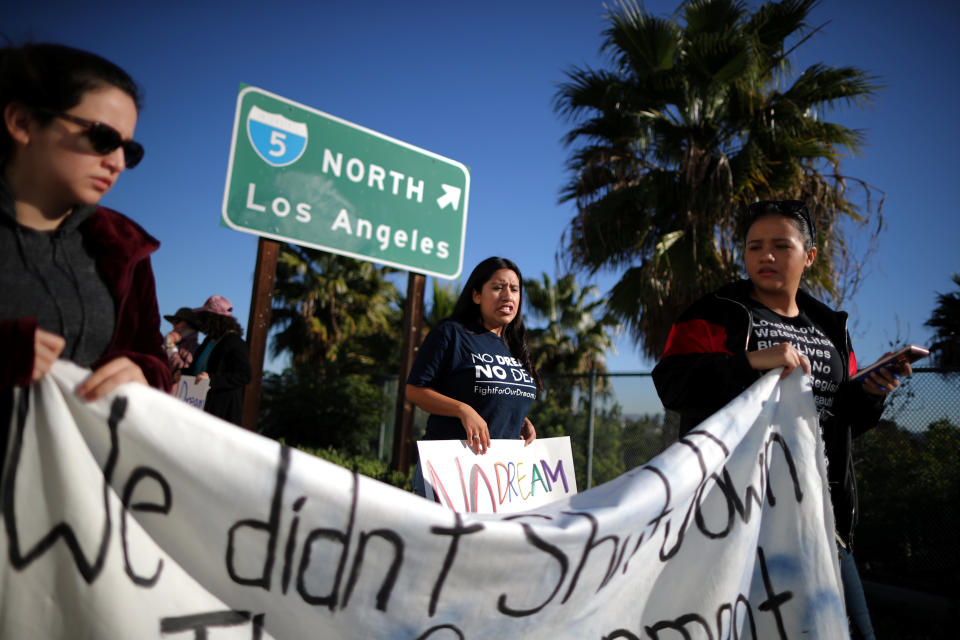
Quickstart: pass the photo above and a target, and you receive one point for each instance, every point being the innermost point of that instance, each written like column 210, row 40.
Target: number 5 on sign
column 276, row 140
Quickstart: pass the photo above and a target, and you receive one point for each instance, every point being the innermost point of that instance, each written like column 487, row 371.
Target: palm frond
column 695, row 117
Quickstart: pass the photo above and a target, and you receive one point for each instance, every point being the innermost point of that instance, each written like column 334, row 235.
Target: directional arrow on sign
column 451, row 195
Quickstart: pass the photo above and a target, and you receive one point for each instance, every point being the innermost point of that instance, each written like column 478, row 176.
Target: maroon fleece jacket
column 122, row 251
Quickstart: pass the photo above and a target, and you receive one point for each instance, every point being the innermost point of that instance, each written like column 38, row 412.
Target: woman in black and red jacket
column 726, row 340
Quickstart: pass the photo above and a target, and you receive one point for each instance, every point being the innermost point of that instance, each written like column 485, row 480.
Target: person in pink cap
column 222, row 357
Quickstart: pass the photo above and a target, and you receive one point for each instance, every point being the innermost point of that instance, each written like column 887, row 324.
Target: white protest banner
column 192, row 392
column 510, row 477
column 138, row 516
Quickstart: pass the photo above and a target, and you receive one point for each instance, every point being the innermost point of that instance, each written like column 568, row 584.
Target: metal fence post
column 593, row 386
column 383, row 423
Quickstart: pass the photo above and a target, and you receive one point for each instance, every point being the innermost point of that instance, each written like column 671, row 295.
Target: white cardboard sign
column 192, row 392
column 508, row 478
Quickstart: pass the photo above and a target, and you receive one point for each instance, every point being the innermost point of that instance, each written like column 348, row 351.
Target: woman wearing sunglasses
column 728, row 339
column 75, row 278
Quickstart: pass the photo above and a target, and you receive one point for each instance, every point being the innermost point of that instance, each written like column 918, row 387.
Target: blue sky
column 475, row 82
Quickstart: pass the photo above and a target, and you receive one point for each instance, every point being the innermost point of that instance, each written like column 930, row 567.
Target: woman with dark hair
column 726, row 340
column 75, row 277
column 473, row 373
column 223, row 358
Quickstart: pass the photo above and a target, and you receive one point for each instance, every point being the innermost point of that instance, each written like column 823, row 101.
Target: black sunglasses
column 792, row 208
column 104, row 138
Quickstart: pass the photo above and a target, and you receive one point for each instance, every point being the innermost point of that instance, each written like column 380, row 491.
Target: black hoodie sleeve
column 704, row 365
column 16, row 352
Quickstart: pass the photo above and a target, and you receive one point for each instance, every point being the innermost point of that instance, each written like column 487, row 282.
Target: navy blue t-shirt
column 473, row 365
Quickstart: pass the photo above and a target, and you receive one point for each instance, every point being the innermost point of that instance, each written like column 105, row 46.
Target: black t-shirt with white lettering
column 826, row 364
column 473, row 365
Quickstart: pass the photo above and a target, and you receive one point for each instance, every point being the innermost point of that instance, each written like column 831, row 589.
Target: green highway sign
column 300, row 175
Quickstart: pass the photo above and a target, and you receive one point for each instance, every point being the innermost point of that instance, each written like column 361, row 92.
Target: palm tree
column 696, row 118
column 329, row 307
column 574, row 340
column 444, row 300
column 945, row 321
column 338, row 319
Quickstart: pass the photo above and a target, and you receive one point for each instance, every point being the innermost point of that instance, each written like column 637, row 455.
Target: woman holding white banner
column 76, row 277
column 473, row 373
column 726, row 340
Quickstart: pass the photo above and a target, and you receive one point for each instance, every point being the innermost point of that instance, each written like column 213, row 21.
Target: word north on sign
column 300, row 175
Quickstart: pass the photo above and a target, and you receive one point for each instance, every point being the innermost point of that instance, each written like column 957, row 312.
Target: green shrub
column 366, row 466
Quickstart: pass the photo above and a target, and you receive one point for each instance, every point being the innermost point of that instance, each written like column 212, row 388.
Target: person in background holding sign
column 222, row 357
column 75, row 277
column 473, row 373
column 726, row 340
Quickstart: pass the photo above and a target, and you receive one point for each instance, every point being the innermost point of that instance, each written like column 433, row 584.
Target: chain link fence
column 908, row 474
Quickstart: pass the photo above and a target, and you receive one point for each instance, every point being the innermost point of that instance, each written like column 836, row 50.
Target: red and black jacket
column 705, row 366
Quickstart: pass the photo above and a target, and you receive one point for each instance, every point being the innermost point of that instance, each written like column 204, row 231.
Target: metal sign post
column 258, row 327
column 412, row 330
